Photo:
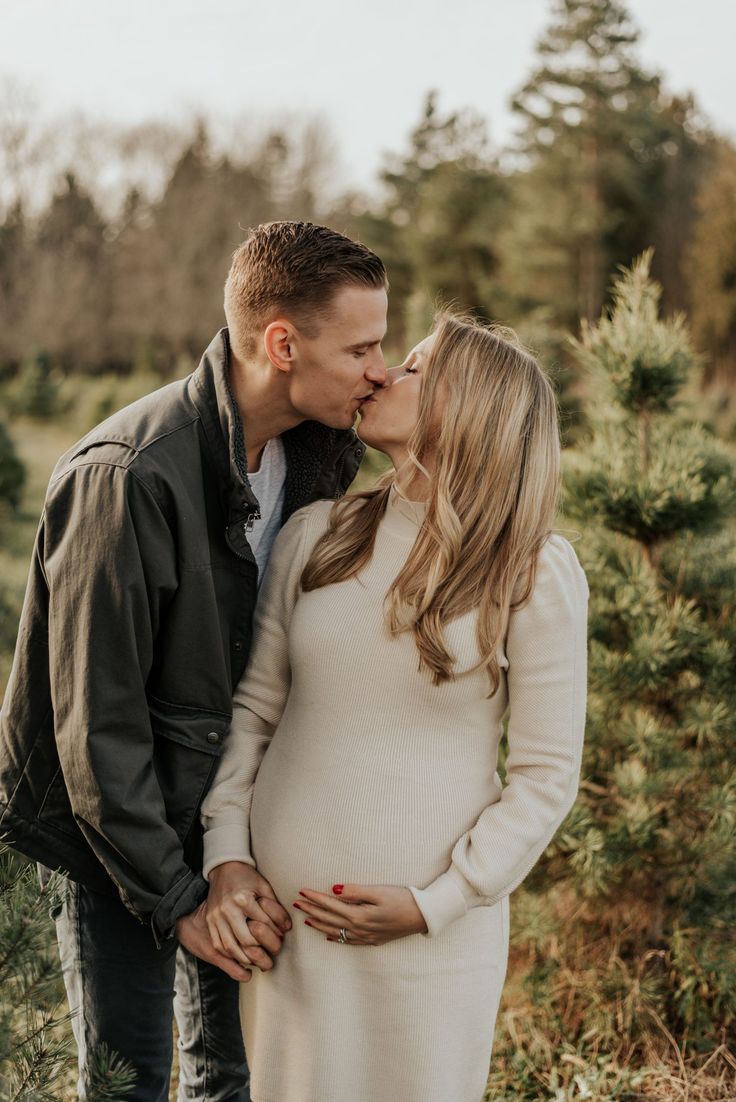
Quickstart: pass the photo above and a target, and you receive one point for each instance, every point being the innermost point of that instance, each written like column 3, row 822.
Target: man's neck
column 262, row 398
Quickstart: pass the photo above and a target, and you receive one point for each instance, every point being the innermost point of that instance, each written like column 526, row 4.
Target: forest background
column 113, row 253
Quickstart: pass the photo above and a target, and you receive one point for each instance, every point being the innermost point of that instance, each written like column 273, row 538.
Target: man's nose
column 376, row 370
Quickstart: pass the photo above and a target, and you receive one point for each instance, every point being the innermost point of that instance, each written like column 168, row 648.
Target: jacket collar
column 311, row 449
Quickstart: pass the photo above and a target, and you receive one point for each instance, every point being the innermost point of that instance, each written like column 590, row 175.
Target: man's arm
column 110, row 564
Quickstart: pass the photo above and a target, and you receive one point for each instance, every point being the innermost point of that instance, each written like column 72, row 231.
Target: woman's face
column 388, row 418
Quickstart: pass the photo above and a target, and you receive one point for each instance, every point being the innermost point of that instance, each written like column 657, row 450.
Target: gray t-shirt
column 268, row 486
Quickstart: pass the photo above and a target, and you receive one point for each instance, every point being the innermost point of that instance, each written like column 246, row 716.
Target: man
column 137, row 625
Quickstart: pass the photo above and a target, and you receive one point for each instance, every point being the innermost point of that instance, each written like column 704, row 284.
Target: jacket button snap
column 213, row 737
column 358, row 452
column 237, row 646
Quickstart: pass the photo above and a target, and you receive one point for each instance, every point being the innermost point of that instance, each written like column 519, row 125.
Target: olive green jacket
column 135, row 628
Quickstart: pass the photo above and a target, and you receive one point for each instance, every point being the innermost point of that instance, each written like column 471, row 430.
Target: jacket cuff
column 225, row 843
column 446, row 899
column 182, row 899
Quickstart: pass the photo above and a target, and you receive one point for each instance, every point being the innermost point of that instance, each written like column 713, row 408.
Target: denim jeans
column 124, row 991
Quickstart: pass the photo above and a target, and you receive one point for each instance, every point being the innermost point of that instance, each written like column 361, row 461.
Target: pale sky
column 364, row 67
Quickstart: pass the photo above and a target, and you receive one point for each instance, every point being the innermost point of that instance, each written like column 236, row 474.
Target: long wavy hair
column 492, row 465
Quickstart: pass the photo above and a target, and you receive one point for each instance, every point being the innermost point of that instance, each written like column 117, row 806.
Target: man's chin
column 337, row 421
column 334, row 419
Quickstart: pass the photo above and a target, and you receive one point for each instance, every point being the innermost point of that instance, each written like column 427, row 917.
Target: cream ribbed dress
column 346, row 764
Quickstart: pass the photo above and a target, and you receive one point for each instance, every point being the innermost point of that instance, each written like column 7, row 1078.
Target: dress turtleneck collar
column 403, row 517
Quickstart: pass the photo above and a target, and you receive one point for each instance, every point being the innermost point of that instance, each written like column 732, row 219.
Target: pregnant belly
column 322, row 814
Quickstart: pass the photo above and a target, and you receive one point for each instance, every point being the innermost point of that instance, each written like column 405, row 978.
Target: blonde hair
column 493, row 494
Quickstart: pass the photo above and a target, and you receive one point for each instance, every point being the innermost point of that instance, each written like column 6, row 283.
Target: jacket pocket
column 186, row 748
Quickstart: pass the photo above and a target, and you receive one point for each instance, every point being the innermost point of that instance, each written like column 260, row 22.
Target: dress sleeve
column 546, row 677
column 258, row 702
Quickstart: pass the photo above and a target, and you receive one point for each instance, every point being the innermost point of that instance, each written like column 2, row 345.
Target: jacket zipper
column 250, row 520
column 247, row 527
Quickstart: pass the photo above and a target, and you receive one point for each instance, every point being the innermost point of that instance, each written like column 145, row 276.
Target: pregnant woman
column 394, row 630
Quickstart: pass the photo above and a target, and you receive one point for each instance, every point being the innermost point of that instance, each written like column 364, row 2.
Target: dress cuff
column 446, row 899
column 229, row 842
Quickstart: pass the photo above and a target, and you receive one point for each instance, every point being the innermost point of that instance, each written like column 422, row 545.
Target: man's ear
column 277, row 339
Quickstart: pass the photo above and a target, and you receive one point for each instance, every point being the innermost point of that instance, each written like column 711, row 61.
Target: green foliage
column 34, row 392
column 12, row 471
column 638, row 361
column 600, row 146
column 437, row 225
column 645, row 502
column 638, row 366
column 648, row 850
column 35, row 1045
column 711, row 267
column 9, row 615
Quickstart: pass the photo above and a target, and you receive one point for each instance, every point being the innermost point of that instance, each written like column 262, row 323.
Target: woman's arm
column 242, row 914
column 258, row 703
column 546, row 650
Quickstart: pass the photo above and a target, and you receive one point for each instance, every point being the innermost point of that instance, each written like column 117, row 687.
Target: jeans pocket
column 54, row 885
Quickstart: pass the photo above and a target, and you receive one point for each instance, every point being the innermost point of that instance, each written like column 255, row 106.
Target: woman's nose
column 392, row 375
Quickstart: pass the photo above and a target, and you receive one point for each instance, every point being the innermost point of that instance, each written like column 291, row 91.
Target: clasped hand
column 242, row 925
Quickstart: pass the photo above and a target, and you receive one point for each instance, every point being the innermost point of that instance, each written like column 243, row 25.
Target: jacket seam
column 11, row 797
column 188, row 707
column 137, row 449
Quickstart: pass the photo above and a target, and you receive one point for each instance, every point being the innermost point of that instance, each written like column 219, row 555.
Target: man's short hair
column 292, row 268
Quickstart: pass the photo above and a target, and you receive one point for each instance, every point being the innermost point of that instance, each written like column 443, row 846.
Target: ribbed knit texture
column 370, row 774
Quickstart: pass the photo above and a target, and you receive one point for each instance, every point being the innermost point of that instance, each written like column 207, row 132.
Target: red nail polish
column 297, row 905
column 302, row 895
column 307, row 922
column 338, row 888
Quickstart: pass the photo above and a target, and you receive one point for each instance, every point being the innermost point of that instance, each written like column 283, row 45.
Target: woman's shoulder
column 558, row 601
column 558, row 567
column 558, row 549
column 307, row 523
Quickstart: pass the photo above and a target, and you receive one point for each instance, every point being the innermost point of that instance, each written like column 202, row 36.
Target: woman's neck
column 413, row 484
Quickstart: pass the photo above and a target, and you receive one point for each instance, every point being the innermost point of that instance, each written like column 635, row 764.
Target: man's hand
column 369, row 914
column 192, row 933
column 245, row 919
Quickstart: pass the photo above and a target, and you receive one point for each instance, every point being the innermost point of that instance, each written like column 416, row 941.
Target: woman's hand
column 245, row 920
column 369, row 914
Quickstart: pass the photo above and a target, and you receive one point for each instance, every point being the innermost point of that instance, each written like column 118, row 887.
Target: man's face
column 332, row 371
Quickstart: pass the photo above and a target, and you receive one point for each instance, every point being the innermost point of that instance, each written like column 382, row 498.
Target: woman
column 360, row 778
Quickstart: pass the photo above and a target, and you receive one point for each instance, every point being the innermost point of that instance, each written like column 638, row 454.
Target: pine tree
column 598, row 140
column 12, row 471
column 437, row 226
column 36, row 1051
column 712, row 268
column 35, row 390
column 632, row 943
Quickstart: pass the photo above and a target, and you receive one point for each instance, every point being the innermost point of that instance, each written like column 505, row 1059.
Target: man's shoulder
column 137, row 437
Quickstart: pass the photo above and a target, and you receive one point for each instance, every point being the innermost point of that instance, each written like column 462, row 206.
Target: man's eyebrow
column 363, row 344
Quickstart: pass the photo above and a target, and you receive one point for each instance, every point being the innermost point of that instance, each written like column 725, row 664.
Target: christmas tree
column 625, row 933
column 36, row 1050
